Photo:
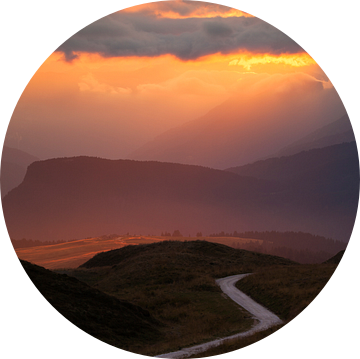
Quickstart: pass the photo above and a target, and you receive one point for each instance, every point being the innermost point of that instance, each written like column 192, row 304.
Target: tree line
column 296, row 240
column 25, row 243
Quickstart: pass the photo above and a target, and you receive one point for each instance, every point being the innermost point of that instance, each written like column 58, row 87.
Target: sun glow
column 296, row 60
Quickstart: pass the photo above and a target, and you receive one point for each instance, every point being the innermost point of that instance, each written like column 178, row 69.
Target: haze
column 129, row 77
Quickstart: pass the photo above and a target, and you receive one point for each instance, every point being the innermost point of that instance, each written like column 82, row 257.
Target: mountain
column 80, row 197
column 337, row 132
column 114, row 321
column 341, row 160
column 246, row 127
column 13, row 168
column 314, row 174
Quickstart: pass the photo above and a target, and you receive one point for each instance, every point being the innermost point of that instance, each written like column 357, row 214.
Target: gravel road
column 264, row 318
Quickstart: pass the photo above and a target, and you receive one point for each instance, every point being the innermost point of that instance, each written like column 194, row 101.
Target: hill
column 329, row 175
column 85, row 197
column 341, row 159
column 184, row 255
column 14, row 163
column 336, row 258
column 116, row 322
column 175, row 282
column 82, row 197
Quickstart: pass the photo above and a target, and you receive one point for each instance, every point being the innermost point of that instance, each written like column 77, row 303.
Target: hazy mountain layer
column 83, row 196
column 337, row 132
column 246, row 127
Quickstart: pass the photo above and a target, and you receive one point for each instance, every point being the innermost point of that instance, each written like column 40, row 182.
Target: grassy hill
column 114, row 321
column 175, row 282
column 160, row 297
column 336, row 258
column 285, row 290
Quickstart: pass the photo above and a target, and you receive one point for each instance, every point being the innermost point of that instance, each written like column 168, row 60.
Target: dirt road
column 265, row 319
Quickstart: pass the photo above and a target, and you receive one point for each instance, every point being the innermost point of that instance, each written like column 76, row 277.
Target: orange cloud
column 183, row 10
column 295, row 60
column 89, row 83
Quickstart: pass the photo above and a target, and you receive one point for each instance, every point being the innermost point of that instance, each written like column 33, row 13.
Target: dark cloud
column 216, row 28
column 139, row 34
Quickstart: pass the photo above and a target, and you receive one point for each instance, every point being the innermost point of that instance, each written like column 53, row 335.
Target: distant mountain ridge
column 306, row 163
column 79, row 197
column 337, row 132
column 242, row 130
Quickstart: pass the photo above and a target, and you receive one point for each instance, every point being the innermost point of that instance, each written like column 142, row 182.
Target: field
column 74, row 253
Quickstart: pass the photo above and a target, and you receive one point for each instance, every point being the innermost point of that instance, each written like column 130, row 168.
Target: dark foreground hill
column 175, row 300
column 80, row 197
column 336, row 258
column 185, row 256
column 175, row 281
column 193, row 264
column 116, row 322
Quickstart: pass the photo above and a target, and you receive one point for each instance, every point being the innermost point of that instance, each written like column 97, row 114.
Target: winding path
column 265, row 319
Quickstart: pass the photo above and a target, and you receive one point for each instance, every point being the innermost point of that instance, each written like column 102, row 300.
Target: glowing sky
column 136, row 73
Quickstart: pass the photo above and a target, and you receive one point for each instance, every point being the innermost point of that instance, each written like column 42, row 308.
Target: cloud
column 298, row 60
column 90, row 84
column 216, row 28
column 201, row 83
column 142, row 34
column 182, row 8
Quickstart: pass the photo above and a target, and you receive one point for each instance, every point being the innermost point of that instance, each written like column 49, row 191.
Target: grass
column 175, row 282
column 192, row 311
column 286, row 291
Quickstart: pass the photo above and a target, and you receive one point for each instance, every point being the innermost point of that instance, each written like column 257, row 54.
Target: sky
column 126, row 78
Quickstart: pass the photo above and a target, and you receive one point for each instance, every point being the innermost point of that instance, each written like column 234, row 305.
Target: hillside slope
column 116, row 322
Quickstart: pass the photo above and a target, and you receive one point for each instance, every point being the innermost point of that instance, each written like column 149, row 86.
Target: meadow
column 175, row 282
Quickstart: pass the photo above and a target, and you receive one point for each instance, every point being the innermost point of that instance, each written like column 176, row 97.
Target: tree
column 177, row 233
